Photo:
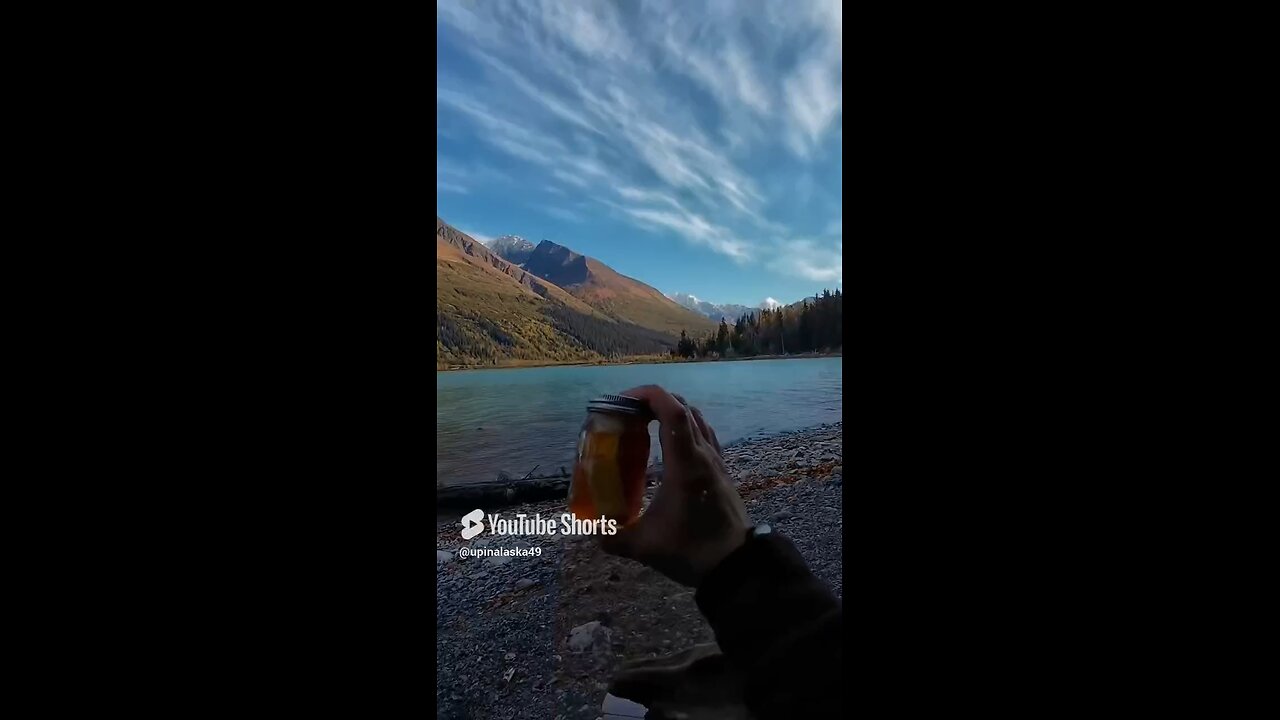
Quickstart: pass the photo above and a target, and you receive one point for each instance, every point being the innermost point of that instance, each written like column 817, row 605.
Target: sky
column 695, row 146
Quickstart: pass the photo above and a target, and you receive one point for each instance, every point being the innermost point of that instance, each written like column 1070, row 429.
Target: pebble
column 504, row 618
column 592, row 635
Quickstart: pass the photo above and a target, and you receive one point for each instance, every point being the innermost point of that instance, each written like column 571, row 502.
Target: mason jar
column 613, row 453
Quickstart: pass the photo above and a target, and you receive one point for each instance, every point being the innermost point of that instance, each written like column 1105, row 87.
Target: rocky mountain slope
column 490, row 311
column 513, row 248
column 611, row 292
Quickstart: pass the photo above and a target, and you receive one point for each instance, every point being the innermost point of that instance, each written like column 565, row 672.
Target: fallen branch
column 503, row 492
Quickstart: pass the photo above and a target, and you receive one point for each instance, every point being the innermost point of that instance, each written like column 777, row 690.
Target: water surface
column 511, row 420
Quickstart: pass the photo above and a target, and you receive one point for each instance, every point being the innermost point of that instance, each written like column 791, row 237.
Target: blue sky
column 695, row 146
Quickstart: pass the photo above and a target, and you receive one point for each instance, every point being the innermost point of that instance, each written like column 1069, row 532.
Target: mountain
column 729, row 311
column 812, row 325
column 732, row 312
column 612, row 293
column 490, row 311
column 512, row 248
column 798, row 305
column 460, row 246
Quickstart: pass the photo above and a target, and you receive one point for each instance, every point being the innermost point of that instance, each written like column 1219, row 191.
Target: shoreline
column 543, row 633
column 734, row 450
column 637, row 361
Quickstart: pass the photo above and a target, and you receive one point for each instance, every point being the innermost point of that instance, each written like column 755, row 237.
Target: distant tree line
column 470, row 337
column 818, row 325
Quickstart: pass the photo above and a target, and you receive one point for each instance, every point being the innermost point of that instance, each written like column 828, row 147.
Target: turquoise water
column 510, row 420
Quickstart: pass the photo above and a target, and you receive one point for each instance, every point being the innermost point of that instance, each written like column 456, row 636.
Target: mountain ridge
column 474, row 248
column 512, row 248
column 610, row 292
column 714, row 311
column 490, row 311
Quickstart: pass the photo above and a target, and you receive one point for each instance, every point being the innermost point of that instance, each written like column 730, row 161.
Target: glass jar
column 613, row 453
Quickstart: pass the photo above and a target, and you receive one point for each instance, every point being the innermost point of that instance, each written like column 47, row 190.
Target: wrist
column 721, row 551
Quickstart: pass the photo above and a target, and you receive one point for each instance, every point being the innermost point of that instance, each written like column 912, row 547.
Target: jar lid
column 617, row 404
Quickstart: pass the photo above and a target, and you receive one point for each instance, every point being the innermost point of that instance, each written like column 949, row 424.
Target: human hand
column 696, row 518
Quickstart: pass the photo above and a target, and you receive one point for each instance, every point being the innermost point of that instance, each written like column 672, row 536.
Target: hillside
column 611, row 292
column 462, row 247
column 491, row 312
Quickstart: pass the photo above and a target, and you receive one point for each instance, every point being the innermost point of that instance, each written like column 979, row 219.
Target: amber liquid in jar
column 613, row 453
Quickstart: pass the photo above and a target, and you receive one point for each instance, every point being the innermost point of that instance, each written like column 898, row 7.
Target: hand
column 696, row 518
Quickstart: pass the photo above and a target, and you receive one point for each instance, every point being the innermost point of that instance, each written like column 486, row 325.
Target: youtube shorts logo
column 472, row 524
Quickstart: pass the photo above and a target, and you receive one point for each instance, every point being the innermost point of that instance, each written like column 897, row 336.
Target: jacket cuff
column 758, row 595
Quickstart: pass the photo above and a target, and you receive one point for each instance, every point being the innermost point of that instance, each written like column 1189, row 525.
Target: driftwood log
column 507, row 490
column 502, row 492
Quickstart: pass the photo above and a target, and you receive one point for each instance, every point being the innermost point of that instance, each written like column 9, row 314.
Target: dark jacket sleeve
column 780, row 625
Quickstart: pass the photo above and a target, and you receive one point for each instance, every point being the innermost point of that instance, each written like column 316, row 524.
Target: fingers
column 664, row 405
column 707, row 433
column 679, row 432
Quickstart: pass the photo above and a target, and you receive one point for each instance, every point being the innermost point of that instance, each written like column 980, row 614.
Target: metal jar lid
column 617, row 404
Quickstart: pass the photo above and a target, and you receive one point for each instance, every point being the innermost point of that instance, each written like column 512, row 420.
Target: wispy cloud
column 692, row 227
column 678, row 116
column 652, row 197
column 561, row 213
column 553, row 104
column 570, row 178
column 509, row 136
column 811, row 259
column 713, row 54
column 813, row 98
column 481, row 237
column 454, row 176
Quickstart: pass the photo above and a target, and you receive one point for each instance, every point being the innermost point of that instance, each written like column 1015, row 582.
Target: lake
column 511, row 420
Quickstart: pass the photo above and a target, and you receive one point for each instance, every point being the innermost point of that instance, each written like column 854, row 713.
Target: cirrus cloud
column 707, row 122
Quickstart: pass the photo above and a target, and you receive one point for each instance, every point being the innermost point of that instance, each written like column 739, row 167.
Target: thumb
column 624, row 543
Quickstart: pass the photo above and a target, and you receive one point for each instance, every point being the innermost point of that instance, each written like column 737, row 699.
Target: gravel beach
column 541, row 635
